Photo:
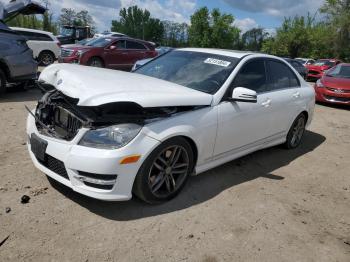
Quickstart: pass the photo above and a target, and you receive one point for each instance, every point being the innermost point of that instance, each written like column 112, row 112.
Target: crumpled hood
column 96, row 86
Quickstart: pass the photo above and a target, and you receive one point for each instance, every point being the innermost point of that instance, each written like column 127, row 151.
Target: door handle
column 267, row 103
column 124, row 53
column 296, row 95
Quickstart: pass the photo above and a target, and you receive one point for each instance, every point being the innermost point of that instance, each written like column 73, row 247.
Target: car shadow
column 19, row 94
column 335, row 106
column 202, row 187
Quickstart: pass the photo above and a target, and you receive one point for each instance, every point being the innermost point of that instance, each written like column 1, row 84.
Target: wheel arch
column 98, row 57
column 48, row 51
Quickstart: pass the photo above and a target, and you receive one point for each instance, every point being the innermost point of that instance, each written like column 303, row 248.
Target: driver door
column 244, row 125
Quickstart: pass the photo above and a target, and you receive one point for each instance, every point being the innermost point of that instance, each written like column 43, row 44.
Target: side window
column 120, row 44
column 134, row 45
column 252, row 76
column 281, row 76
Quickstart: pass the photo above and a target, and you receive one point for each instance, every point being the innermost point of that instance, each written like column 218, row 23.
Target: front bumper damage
column 92, row 172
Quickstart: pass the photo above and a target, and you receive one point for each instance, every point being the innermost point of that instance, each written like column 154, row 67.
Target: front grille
column 55, row 166
column 337, row 99
column 313, row 72
column 61, row 120
column 66, row 52
column 338, row 90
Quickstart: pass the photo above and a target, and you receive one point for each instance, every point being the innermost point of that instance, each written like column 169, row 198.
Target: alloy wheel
column 298, row 131
column 168, row 171
column 47, row 59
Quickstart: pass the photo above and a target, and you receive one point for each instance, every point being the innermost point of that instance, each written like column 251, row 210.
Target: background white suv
column 45, row 45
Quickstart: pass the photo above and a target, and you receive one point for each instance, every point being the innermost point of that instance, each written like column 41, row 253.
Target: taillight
column 59, row 44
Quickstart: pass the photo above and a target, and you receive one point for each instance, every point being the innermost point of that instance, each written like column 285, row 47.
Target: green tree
column 138, row 23
column 67, row 17
column 338, row 18
column 175, row 34
column 199, row 31
column 294, row 38
column 213, row 29
column 253, row 39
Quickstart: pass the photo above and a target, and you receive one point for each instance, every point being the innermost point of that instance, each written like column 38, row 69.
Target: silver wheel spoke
column 177, row 166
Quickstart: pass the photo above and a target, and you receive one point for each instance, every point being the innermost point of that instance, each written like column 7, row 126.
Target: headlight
column 111, row 137
column 319, row 83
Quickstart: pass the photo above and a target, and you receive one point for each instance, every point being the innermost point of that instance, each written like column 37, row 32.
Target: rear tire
column 2, row 82
column 165, row 171
column 46, row 58
column 95, row 62
column 296, row 132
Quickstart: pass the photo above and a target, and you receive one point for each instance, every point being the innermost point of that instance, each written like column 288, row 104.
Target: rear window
column 99, row 42
column 134, row 45
column 281, row 75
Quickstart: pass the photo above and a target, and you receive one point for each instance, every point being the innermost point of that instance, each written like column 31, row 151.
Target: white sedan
column 111, row 134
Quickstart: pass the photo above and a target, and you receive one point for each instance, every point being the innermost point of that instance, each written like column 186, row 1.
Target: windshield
column 324, row 63
column 99, row 42
column 200, row 71
column 340, row 71
column 67, row 31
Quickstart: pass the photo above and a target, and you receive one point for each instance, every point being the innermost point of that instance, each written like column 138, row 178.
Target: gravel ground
column 273, row 205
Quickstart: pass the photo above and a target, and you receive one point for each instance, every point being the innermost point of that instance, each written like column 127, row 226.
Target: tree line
column 324, row 35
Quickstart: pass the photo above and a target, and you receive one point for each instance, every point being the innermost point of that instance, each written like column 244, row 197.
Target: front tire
column 95, row 62
column 165, row 171
column 296, row 132
column 2, row 82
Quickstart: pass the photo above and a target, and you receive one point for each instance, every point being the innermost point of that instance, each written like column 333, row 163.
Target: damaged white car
column 111, row 134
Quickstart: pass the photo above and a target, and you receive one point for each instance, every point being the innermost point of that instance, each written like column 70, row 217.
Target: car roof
column 224, row 52
column 31, row 30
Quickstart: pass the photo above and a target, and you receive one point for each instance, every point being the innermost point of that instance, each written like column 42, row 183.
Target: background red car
column 334, row 86
column 316, row 70
column 115, row 53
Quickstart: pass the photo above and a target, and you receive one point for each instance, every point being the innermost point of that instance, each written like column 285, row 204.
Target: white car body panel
column 40, row 46
column 86, row 84
column 221, row 131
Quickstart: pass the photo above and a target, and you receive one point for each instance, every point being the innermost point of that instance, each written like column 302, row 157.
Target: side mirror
column 112, row 47
column 241, row 94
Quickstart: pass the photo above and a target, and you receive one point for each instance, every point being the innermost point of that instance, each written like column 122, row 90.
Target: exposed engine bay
column 59, row 116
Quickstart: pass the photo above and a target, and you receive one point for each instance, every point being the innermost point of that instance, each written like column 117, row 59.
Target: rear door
column 116, row 55
column 285, row 94
column 136, row 50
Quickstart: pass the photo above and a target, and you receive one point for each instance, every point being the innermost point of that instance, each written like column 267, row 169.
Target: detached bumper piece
column 104, row 182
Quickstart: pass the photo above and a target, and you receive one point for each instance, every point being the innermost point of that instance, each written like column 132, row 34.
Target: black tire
column 46, row 58
column 147, row 174
column 95, row 62
column 2, row 82
column 296, row 132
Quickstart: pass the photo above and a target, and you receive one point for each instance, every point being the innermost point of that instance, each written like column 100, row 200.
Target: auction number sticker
column 217, row 62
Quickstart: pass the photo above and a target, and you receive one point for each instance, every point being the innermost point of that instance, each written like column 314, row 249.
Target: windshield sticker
column 217, row 62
